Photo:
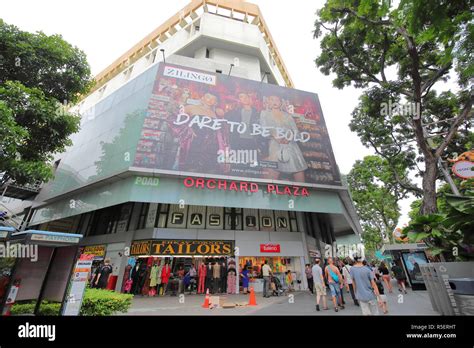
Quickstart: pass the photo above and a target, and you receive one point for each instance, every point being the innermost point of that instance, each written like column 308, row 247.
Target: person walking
column 309, row 277
column 319, row 285
column 103, row 276
column 346, row 273
column 266, row 273
column 365, row 289
column 382, row 297
column 386, row 276
column 400, row 277
column 335, row 281
column 244, row 273
column 339, row 264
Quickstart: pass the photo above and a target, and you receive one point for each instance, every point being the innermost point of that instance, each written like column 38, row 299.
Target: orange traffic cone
column 252, row 299
column 206, row 300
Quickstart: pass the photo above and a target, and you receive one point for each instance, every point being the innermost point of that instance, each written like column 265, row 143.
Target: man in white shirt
column 346, row 272
column 266, row 272
column 319, row 285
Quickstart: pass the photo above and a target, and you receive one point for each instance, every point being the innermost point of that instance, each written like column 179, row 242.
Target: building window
column 197, row 28
column 208, row 54
column 143, row 215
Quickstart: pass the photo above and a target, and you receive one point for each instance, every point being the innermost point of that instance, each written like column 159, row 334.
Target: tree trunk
column 429, row 205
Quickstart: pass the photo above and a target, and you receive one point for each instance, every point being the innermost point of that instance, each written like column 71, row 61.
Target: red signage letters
column 243, row 186
column 269, row 248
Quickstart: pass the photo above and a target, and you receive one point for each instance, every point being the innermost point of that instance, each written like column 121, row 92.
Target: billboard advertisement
column 204, row 124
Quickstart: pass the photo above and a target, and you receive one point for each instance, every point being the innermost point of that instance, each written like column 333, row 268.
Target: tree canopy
column 376, row 194
column 399, row 54
column 39, row 76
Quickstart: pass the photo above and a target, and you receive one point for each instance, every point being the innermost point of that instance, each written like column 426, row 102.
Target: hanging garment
column 126, row 276
column 136, row 279
column 208, row 284
column 202, row 278
column 159, row 271
column 132, row 261
column 165, row 274
column 216, row 275
column 146, row 281
column 154, row 276
column 231, row 281
column 223, row 282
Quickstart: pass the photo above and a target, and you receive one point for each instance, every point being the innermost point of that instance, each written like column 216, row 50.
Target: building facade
column 194, row 147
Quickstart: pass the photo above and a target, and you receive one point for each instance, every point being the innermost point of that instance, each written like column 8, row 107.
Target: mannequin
column 136, row 278
column 209, row 278
column 216, row 275
column 165, row 276
column 141, row 277
column 159, row 284
column 223, row 280
column 202, row 278
column 231, row 278
column 146, row 281
column 153, row 276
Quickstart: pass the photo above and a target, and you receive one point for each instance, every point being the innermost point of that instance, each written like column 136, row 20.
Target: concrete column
column 304, row 281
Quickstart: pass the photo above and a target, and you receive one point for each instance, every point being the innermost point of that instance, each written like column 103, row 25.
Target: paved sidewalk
column 191, row 305
column 301, row 303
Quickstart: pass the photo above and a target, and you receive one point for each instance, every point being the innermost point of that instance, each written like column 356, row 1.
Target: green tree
column 376, row 194
column 39, row 76
column 398, row 54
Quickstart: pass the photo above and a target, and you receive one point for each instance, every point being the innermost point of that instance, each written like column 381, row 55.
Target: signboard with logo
column 141, row 247
column 269, row 248
column 464, row 169
column 54, row 239
column 78, row 284
column 207, row 124
column 169, row 247
column 98, row 251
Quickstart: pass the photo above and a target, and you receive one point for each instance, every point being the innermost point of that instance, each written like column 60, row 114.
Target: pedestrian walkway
column 413, row 303
column 297, row 303
column 191, row 305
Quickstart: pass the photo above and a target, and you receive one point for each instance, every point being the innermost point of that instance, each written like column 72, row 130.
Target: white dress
column 288, row 156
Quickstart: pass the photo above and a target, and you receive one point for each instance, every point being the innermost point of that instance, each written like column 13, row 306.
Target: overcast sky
column 105, row 29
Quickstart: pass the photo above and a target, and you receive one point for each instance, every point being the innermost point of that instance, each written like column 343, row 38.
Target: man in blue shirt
column 365, row 288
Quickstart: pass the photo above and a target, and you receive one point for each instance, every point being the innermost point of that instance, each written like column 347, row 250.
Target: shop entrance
column 251, row 268
column 147, row 275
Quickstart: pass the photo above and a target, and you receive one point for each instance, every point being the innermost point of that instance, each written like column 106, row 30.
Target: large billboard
column 205, row 124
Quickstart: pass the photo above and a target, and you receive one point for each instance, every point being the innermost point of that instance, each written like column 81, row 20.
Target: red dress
column 202, row 278
column 165, row 274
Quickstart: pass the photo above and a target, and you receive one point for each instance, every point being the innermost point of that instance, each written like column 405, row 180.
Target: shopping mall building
column 194, row 145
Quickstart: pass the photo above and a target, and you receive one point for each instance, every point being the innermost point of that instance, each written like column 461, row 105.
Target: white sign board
column 78, row 286
column 464, row 169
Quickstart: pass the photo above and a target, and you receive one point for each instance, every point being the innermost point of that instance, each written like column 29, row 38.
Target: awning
column 47, row 238
column 407, row 246
column 5, row 231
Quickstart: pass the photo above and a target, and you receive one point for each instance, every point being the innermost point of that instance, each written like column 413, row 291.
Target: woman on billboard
column 285, row 152
column 205, row 142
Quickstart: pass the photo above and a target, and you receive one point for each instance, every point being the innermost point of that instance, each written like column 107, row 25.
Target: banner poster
column 210, row 124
